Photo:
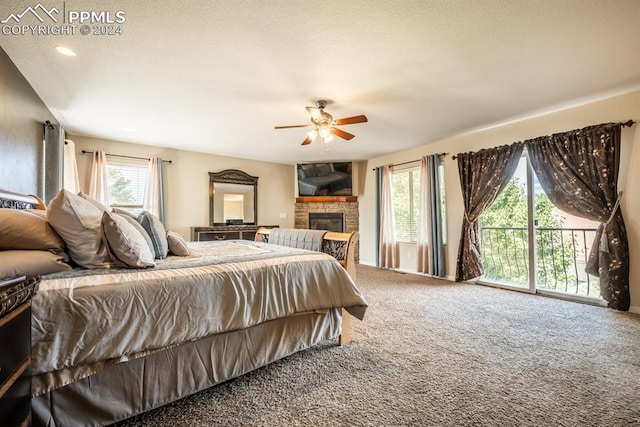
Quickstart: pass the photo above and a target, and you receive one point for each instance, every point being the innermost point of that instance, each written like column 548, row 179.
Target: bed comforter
column 87, row 320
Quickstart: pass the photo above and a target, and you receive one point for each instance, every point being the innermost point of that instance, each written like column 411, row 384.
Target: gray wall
column 22, row 113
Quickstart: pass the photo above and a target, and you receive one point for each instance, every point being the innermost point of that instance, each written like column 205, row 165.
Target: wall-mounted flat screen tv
column 325, row 179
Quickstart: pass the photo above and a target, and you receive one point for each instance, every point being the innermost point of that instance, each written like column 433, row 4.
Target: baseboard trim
column 634, row 309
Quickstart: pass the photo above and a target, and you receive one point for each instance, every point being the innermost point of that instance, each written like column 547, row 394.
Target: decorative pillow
column 177, row 244
column 79, row 223
column 31, row 263
column 125, row 241
column 142, row 231
column 101, row 206
column 155, row 229
column 28, row 230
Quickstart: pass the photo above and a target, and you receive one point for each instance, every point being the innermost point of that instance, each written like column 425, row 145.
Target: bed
column 110, row 343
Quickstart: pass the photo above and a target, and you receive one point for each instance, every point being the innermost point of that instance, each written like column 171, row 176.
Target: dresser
column 226, row 232
column 15, row 349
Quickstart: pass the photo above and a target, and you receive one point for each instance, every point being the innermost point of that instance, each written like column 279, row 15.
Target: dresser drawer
column 229, row 235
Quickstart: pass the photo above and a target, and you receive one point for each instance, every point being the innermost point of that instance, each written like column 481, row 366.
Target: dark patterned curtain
column 579, row 172
column 483, row 175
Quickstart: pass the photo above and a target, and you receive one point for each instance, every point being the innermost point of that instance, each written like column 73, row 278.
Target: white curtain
column 99, row 184
column 388, row 256
column 70, row 179
column 154, row 191
column 424, row 220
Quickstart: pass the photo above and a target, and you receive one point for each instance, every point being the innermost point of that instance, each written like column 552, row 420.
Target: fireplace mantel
column 326, row 199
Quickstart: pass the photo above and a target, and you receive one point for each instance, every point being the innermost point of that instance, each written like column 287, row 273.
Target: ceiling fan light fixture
column 313, row 134
column 324, row 131
column 327, row 139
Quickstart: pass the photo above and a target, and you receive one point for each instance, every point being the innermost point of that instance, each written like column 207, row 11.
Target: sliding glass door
column 529, row 244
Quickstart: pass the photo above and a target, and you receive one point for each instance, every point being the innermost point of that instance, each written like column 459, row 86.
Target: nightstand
column 15, row 349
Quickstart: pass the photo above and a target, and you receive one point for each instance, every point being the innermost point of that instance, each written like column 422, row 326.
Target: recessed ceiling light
column 65, row 51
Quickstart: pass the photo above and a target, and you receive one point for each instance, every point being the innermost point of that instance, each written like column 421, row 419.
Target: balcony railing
column 561, row 257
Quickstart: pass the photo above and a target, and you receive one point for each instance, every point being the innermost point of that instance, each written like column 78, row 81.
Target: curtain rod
column 126, row 157
column 417, row 160
column 626, row 124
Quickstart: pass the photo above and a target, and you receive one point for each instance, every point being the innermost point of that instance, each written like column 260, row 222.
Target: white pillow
column 79, row 223
column 125, row 242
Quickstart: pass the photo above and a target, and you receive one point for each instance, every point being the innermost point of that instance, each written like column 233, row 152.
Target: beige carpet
column 434, row 353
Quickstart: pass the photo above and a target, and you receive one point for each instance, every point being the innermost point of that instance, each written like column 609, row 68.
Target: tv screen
column 325, row 179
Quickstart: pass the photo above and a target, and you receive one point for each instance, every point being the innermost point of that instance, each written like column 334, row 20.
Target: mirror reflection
column 233, row 202
column 233, row 198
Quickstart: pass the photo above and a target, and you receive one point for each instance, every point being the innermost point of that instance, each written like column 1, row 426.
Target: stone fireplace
column 328, row 209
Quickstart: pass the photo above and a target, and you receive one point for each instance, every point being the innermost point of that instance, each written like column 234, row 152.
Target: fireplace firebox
column 331, row 221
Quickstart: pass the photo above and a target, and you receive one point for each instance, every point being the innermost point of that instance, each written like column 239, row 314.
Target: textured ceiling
column 217, row 76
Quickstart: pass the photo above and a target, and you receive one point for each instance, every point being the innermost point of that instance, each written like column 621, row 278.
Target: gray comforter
column 90, row 318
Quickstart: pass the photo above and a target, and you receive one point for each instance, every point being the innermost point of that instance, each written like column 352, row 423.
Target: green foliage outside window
column 505, row 244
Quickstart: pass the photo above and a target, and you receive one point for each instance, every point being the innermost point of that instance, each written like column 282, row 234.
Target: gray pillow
column 177, row 244
column 142, row 231
column 124, row 213
column 125, row 242
column 155, row 229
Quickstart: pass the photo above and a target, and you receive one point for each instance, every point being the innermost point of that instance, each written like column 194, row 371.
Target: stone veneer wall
column 349, row 209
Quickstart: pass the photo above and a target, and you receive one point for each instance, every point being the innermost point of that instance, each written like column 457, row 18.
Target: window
column 406, row 204
column 406, row 208
column 127, row 182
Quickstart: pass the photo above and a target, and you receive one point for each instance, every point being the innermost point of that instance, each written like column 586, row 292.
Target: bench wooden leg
column 345, row 336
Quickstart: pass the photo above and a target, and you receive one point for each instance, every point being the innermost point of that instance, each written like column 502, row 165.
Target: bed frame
column 125, row 389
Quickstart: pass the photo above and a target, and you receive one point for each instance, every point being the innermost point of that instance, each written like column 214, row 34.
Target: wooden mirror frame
column 233, row 176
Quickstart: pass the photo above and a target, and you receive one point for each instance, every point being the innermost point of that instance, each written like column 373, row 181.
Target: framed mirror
column 233, row 198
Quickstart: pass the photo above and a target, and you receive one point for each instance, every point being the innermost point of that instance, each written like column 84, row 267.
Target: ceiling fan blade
column 342, row 134
column 307, row 141
column 292, row 126
column 351, row 120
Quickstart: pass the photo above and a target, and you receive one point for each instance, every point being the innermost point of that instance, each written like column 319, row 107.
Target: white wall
column 619, row 108
column 187, row 182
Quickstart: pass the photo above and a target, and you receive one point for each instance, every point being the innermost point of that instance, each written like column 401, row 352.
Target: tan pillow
column 79, row 223
column 177, row 245
column 125, row 241
column 28, row 230
column 30, row 263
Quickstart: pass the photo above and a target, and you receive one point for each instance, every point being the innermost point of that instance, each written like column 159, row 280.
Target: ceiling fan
column 323, row 124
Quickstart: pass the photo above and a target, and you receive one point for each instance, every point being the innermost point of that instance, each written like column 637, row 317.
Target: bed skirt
column 129, row 388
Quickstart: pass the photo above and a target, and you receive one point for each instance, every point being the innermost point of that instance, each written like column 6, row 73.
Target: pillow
column 31, row 263
column 124, row 213
column 177, row 245
column 28, row 229
column 125, row 241
column 155, row 229
column 79, row 223
column 93, row 201
column 142, row 231
column 323, row 169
